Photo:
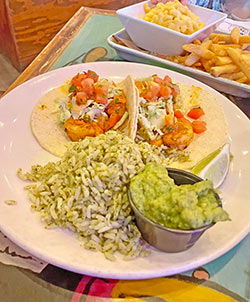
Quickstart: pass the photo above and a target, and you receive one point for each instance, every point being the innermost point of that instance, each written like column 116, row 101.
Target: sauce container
column 168, row 239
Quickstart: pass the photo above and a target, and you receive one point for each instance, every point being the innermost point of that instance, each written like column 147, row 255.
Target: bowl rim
column 122, row 12
column 164, row 228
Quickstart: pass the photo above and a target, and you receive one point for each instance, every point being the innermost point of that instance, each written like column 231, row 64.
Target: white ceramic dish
column 59, row 246
column 223, row 85
column 160, row 39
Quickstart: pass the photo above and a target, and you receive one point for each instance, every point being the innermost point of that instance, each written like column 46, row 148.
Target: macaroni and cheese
column 173, row 15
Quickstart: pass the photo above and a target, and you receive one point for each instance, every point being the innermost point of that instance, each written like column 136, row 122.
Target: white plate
column 60, row 247
column 223, row 85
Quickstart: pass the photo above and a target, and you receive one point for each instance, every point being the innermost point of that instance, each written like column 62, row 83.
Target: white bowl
column 160, row 39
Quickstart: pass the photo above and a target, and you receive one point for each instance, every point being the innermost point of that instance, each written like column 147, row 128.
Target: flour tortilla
column 216, row 134
column 130, row 126
column 51, row 134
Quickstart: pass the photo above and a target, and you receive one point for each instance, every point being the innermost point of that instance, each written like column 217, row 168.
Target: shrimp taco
column 179, row 117
column 86, row 106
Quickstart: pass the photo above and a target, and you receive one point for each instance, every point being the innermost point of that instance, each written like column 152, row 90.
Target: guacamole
column 180, row 207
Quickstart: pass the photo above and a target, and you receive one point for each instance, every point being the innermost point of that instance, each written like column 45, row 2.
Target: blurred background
column 26, row 27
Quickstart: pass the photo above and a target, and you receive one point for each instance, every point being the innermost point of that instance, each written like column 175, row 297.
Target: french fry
column 216, row 40
column 244, row 39
column 191, row 59
column 246, row 58
column 224, row 46
column 228, row 38
column 235, row 35
column 182, row 59
column 218, row 70
column 232, row 76
column 222, row 60
column 221, row 42
column 197, row 64
column 198, row 50
column 206, row 64
column 220, row 50
column 239, row 61
column 245, row 46
column 206, row 44
column 242, row 80
column 220, row 37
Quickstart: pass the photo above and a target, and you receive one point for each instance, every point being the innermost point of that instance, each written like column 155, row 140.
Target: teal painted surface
column 94, row 34
column 231, row 271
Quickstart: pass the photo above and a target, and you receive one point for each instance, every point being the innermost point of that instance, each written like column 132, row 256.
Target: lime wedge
column 205, row 161
column 215, row 166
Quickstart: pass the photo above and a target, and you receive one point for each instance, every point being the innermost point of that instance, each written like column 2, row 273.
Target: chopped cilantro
column 72, row 88
column 117, row 111
column 169, row 129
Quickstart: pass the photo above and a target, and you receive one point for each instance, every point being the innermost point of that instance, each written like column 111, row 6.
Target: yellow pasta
column 173, row 15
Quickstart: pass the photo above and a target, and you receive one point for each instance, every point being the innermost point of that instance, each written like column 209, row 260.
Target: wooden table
column 225, row 279
column 26, row 27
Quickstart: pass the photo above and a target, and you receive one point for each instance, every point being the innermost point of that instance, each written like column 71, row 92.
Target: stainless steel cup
column 167, row 239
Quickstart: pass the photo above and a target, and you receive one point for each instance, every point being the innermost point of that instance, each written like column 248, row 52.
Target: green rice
column 86, row 192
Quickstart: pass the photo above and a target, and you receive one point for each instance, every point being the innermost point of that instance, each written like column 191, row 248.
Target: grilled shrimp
column 179, row 135
column 77, row 129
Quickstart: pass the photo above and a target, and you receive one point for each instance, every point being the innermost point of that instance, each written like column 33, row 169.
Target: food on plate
column 221, row 55
column 172, row 124
column 85, row 106
column 173, row 15
column 86, row 191
column 184, row 207
column 180, row 117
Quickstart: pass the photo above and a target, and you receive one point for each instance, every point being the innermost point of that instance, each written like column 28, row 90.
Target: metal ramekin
column 167, row 239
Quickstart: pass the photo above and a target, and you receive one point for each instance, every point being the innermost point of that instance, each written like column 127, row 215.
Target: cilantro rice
column 86, row 192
